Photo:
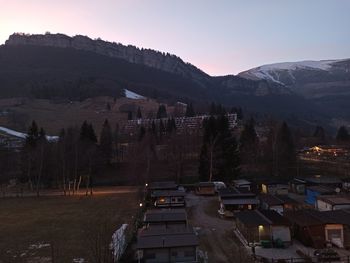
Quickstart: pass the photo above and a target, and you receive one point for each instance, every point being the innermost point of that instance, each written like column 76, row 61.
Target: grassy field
column 53, row 116
column 64, row 228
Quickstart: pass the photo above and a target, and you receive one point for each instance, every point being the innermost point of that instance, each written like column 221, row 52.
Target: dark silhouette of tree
column 319, row 133
column 161, row 113
column 129, row 115
column 106, row 141
column 249, row 144
column 139, row 114
column 189, row 110
column 108, row 106
column 219, row 158
column 343, row 134
column 284, row 153
column 142, row 133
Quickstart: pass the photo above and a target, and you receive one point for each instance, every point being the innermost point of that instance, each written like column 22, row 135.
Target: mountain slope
column 57, row 66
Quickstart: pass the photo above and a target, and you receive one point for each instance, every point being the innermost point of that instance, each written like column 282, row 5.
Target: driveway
column 215, row 234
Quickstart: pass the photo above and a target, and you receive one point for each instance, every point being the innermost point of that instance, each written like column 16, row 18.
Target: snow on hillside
column 132, row 95
column 23, row 135
column 270, row 71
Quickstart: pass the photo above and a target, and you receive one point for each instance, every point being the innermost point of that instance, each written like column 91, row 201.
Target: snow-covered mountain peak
column 272, row 72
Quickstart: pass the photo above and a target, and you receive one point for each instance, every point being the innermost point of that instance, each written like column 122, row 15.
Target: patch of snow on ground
column 78, row 260
column 13, row 133
column 132, row 95
column 39, row 245
column 24, row 135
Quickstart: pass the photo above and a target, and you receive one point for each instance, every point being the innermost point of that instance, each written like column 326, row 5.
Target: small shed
column 278, row 203
column 168, row 198
column 205, row 188
column 261, row 226
column 332, row 202
column 316, row 229
column 167, row 217
column 313, row 191
column 274, row 187
column 160, row 244
column 233, row 199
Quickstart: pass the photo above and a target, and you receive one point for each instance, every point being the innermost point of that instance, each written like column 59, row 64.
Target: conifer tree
column 161, row 113
column 139, row 114
column 284, row 154
column 249, row 144
column 343, row 134
column 106, row 141
column 189, row 110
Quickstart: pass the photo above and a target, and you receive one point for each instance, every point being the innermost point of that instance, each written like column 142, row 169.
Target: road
column 215, row 233
column 96, row 191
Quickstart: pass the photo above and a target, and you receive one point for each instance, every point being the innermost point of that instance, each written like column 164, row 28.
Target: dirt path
column 215, row 233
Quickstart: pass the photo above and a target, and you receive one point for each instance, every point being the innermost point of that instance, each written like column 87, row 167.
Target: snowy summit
column 270, row 71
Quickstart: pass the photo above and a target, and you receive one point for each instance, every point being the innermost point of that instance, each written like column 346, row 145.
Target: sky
column 220, row 37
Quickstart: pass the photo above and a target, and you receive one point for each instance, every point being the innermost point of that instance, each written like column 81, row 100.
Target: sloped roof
column 168, row 193
column 166, row 215
column 276, row 199
column 161, row 237
column 166, row 185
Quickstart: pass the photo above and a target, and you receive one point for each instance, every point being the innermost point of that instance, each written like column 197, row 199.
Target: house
column 161, row 244
column 167, row 217
column 329, row 181
column 313, row 191
column 205, row 188
column 168, row 198
column 332, row 202
column 265, row 226
column 341, row 217
column 274, row 187
column 242, row 183
column 278, row 203
column 316, row 229
column 234, row 199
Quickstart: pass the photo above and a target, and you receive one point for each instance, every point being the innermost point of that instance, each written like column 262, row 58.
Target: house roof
column 261, row 217
column 206, row 184
column 235, row 193
column 335, row 199
column 322, row 180
column 251, row 218
column 274, row 217
column 168, row 193
column 276, row 199
column 161, row 237
column 166, row 215
column 304, row 218
column 239, row 201
column 166, row 185
column 321, row 189
column 314, row 217
column 338, row 216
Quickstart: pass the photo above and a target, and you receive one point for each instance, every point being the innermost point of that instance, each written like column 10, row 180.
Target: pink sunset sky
column 220, row 37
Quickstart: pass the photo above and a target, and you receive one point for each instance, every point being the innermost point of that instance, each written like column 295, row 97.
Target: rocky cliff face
column 155, row 59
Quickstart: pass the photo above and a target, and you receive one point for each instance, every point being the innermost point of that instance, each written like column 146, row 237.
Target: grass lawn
column 33, row 229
